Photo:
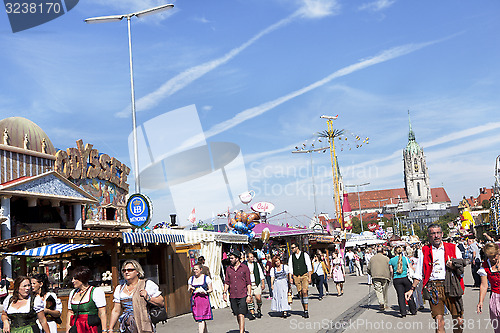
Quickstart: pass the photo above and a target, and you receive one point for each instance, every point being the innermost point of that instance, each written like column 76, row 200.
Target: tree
column 486, row 204
column 444, row 220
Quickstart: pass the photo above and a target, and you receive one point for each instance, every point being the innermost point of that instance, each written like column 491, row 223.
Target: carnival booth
column 209, row 245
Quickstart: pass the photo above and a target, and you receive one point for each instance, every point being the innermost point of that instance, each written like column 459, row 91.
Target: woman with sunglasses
column 490, row 271
column 86, row 304
column 132, row 297
column 22, row 309
column 52, row 304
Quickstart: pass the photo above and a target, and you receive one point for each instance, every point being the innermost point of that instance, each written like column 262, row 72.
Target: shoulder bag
column 73, row 328
column 156, row 313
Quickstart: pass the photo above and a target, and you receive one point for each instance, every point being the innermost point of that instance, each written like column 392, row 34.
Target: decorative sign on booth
column 139, row 210
column 263, row 207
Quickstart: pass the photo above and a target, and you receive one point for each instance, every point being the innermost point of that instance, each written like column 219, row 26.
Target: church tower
column 417, row 184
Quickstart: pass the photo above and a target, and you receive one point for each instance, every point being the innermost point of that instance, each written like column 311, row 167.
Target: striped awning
column 52, row 249
column 147, row 238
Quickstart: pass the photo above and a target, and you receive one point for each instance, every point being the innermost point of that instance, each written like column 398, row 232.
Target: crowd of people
column 432, row 272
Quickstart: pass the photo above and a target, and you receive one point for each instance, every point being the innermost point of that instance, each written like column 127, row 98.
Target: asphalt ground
column 356, row 311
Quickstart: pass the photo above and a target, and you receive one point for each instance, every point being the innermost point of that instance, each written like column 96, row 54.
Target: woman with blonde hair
column 490, row 271
column 398, row 266
column 132, row 297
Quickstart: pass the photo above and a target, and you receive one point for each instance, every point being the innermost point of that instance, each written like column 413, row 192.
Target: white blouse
column 151, row 288
column 37, row 305
column 97, row 296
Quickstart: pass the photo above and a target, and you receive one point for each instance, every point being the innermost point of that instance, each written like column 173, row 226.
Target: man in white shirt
column 257, row 278
column 433, row 260
column 300, row 268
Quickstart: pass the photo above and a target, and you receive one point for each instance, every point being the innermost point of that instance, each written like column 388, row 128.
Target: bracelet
column 412, row 288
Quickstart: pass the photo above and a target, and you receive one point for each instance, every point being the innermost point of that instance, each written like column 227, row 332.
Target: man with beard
column 435, row 261
column 239, row 285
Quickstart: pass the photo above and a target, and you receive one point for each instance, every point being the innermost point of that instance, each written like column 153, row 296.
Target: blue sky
column 260, row 74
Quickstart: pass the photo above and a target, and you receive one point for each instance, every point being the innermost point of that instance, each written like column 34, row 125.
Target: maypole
column 336, row 186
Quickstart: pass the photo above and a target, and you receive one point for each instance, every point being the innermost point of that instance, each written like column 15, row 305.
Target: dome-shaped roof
column 16, row 128
column 413, row 148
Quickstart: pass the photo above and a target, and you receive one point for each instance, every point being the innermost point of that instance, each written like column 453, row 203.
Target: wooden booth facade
column 103, row 252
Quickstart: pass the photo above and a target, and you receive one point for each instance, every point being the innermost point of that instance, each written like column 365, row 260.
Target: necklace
column 130, row 290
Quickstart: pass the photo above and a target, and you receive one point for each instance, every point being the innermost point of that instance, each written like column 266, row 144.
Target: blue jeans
column 319, row 285
column 268, row 280
column 351, row 266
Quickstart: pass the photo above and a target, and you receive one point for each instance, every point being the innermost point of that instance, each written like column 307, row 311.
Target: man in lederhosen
column 300, row 268
column 434, row 260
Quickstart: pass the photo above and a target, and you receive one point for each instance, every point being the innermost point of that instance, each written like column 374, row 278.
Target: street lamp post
column 310, row 151
column 359, row 201
column 114, row 18
column 379, row 200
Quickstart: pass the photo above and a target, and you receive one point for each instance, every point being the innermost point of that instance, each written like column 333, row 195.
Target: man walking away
column 475, row 260
column 378, row 268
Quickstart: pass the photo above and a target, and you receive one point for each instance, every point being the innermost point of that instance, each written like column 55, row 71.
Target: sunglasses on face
column 128, row 270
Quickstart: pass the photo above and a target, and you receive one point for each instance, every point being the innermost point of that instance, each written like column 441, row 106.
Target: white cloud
column 319, row 8
column 311, row 9
column 377, row 5
column 253, row 112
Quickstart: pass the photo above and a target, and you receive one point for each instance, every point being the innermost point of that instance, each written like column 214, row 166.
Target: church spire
column 411, row 134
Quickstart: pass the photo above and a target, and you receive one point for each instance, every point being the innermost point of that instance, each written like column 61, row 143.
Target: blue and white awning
column 52, row 249
column 147, row 238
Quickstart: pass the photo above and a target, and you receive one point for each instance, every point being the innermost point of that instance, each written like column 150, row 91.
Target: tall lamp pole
column 310, row 151
column 379, row 200
column 114, row 18
column 359, row 201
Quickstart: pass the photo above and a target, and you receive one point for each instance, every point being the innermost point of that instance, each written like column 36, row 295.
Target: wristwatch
column 412, row 288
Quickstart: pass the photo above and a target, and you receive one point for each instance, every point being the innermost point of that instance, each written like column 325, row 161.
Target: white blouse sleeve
column 152, row 289
column 98, row 297
column 209, row 280
column 58, row 301
column 271, row 272
column 6, row 302
column 116, row 294
column 38, row 304
column 71, row 294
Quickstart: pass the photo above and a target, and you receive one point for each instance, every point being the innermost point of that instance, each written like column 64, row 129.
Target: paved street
column 356, row 311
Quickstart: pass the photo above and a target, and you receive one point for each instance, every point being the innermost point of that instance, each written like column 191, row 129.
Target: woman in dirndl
column 22, row 309
column 490, row 272
column 338, row 275
column 86, row 304
column 200, row 285
column 279, row 283
column 132, row 297
column 52, row 304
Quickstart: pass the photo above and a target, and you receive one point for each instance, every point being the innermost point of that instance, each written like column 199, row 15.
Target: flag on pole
column 192, row 217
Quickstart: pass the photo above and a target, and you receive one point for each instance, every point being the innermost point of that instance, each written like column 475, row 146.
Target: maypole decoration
column 331, row 134
column 495, row 199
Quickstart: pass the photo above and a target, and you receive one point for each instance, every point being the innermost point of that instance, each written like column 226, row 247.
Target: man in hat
column 300, row 268
column 434, row 261
column 239, row 285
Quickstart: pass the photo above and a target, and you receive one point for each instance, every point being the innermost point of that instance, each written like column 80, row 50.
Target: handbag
column 410, row 272
column 73, row 328
column 156, row 313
